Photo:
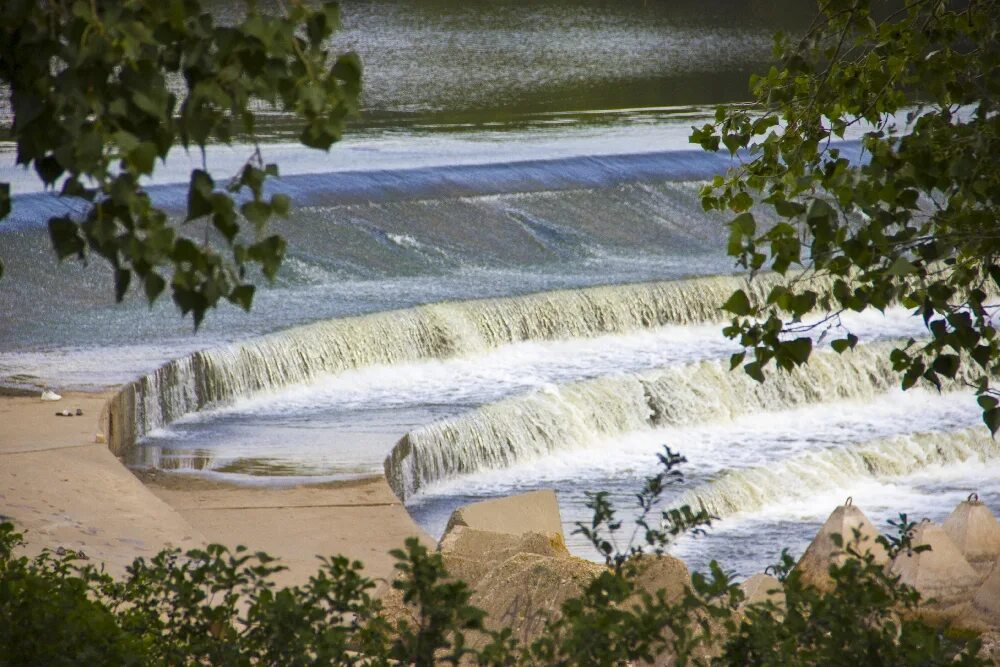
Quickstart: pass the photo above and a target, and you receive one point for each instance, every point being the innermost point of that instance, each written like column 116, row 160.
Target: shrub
column 221, row 607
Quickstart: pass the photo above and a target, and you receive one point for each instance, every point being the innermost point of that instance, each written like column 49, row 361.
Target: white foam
column 476, row 379
column 749, row 440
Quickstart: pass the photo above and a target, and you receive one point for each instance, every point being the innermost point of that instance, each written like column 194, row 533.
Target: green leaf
column 200, row 194
column 819, row 210
column 994, row 271
column 49, row 169
column 153, row 285
column 269, row 254
column 65, row 236
column 4, row 200
column 902, row 267
column 744, row 224
column 224, row 217
column 798, row 349
column 992, row 419
column 741, row 202
column 280, row 204
column 185, row 251
column 143, row 157
column 947, row 365
column 738, row 303
column 754, row 370
column 987, row 402
column 123, row 278
column 803, row 303
column 256, row 212
column 788, row 209
column 242, row 295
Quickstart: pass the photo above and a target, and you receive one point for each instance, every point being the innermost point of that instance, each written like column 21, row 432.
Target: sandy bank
column 362, row 520
column 62, row 488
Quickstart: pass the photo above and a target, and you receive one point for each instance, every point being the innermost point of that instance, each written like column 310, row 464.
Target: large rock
column 762, row 588
column 846, row 521
column 986, row 601
column 663, row 572
column 508, row 539
column 469, row 554
column 534, row 512
column 976, row 533
column 941, row 574
column 525, row 590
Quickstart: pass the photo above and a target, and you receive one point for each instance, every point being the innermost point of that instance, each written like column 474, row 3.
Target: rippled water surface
column 507, row 148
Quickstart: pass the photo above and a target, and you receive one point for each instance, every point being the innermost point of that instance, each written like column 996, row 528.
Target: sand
column 62, row 488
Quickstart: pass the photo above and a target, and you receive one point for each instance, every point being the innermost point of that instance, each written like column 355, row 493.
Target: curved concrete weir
column 436, row 331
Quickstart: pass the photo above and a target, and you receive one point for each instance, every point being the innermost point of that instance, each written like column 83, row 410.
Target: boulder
column 761, row 588
column 655, row 573
column 662, row 572
column 976, row 533
column 470, row 553
column 517, row 540
column 846, row 521
column 941, row 574
column 525, row 590
column 986, row 601
column 534, row 512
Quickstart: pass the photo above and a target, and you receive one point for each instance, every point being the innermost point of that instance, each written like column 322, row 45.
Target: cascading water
column 805, row 475
column 441, row 197
column 437, row 331
column 579, row 414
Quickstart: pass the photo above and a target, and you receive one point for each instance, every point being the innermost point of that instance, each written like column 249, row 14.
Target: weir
column 585, row 413
column 433, row 182
column 803, row 475
column 436, row 331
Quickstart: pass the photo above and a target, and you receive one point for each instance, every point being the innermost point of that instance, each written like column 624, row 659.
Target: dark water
column 486, row 61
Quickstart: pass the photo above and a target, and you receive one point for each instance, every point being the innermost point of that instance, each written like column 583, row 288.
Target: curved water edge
column 806, row 474
column 435, row 331
column 586, row 413
column 408, row 184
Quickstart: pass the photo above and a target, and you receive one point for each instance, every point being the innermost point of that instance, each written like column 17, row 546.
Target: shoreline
column 62, row 487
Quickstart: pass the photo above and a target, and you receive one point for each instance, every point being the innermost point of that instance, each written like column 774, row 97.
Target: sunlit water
column 505, row 148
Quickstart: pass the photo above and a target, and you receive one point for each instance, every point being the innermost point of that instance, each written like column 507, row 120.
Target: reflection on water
column 500, row 58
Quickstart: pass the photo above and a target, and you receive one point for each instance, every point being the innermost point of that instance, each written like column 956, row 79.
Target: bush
column 221, row 607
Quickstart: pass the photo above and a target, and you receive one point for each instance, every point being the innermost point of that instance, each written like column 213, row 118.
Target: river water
column 506, row 150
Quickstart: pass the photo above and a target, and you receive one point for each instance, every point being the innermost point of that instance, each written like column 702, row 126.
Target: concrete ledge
column 534, row 512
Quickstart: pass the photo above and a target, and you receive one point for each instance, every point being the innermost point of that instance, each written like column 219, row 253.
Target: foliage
column 101, row 90
column 49, row 617
column 442, row 610
column 221, row 607
column 914, row 221
column 867, row 617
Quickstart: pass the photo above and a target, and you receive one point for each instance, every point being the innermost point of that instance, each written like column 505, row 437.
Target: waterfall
column 584, row 413
column 436, row 331
column 805, row 474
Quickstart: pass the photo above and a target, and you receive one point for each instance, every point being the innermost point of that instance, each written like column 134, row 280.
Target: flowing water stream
column 503, row 280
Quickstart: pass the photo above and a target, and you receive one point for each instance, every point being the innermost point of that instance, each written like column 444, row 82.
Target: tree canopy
column 913, row 222
column 101, row 90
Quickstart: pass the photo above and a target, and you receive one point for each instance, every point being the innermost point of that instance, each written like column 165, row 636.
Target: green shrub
column 214, row 606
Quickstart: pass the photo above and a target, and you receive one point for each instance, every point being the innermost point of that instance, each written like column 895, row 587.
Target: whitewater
column 503, row 280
